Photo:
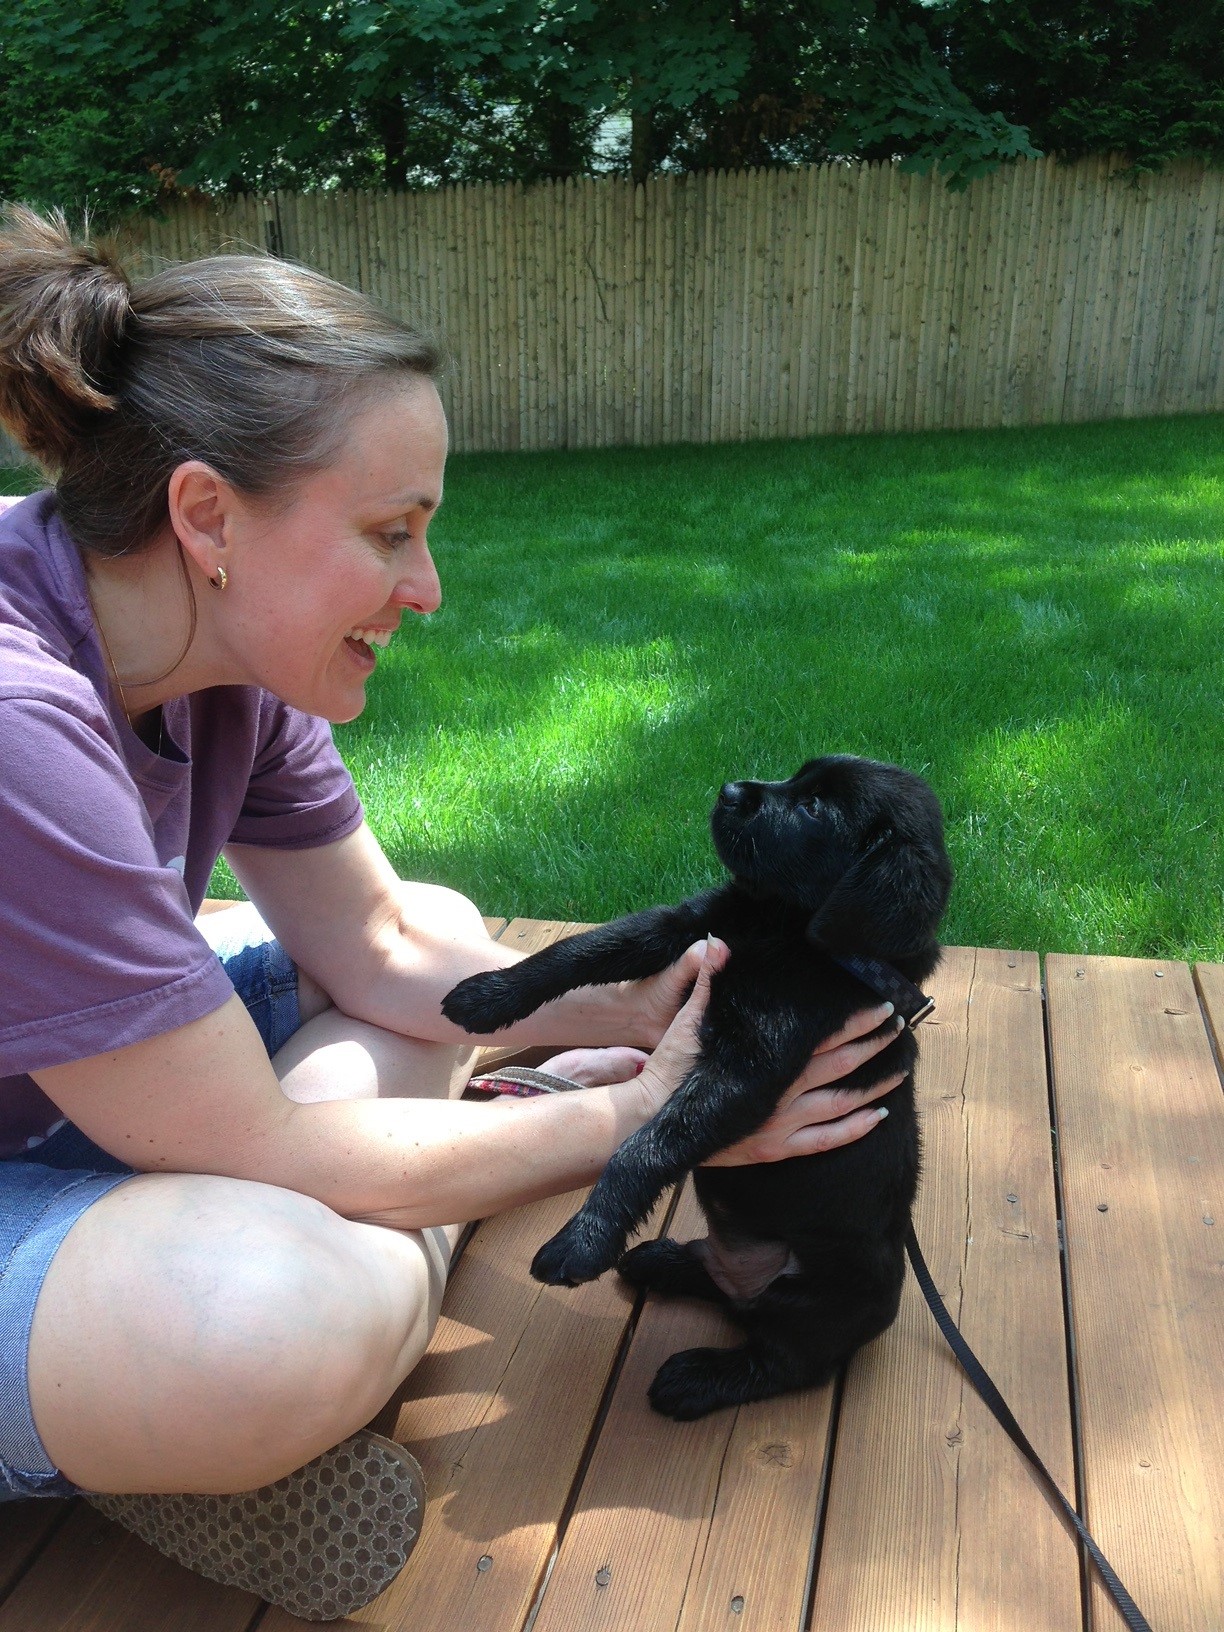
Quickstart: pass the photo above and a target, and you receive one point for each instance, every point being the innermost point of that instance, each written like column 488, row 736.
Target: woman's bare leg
column 208, row 1334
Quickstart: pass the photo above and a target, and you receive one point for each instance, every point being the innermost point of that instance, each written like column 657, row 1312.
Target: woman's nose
column 419, row 589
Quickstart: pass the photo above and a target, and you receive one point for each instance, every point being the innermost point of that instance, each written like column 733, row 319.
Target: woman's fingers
column 816, row 1113
column 831, row 1064
column 659, row 998
column 820, row 1104
column 818, row 1120
column 859, row 1024
column 678, row 1047
column 815, row 1137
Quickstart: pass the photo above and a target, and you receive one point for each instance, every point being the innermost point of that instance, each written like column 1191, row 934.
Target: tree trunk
column 393, row 133
column 564, row 154
column 641, row 144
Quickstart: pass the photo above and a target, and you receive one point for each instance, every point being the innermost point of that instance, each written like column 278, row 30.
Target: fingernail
column 887, row 1009
column 881, row 1112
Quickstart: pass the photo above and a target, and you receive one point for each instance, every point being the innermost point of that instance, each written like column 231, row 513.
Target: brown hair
column 250, row 364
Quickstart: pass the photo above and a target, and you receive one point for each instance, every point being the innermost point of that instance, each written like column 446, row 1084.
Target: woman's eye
column 395, row 539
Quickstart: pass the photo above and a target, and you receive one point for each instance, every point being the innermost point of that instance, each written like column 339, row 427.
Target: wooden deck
column 1072, row 1216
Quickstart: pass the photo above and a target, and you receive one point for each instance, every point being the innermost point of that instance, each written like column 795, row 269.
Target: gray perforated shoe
column 320, row 1543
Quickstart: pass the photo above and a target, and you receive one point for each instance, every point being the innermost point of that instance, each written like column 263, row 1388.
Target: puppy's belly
column 744, row 1269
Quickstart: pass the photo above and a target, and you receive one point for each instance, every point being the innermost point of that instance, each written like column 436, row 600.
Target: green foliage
column 904, row 100
column 118, row 104
column 1144, row 78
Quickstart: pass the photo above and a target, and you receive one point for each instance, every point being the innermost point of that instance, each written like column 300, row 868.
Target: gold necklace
column 161, row 713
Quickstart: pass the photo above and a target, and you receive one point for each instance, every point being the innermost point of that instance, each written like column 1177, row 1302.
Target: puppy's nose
column 736, row 794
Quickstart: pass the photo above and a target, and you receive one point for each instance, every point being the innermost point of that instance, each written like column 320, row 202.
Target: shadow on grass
column 1029, row 617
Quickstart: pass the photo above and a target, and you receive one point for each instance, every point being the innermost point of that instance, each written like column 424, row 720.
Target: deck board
column 499, row 1413
column 1141, row 1141
column 529, row 1411
column 25, row 1530
column 93, row 1577
column 667, row 1529
column 934, row 1520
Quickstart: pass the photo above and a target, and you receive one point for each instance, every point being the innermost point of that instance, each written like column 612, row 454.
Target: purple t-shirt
column 106, row 847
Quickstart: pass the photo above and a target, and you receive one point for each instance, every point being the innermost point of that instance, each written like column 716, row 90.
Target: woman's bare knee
column 333, row 1056
column 211, row 1335
column 336, row 1057
column 440, row 909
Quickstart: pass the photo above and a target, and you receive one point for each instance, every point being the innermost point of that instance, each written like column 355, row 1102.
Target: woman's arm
column 204, row 1099
column 337, row 910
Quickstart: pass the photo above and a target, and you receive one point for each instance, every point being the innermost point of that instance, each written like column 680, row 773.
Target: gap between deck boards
column 58, row 1558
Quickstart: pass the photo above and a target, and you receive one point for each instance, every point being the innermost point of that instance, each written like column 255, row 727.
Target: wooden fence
column 840, row 297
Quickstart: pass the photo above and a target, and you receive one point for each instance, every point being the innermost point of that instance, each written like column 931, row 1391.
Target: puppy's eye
column 810, row 807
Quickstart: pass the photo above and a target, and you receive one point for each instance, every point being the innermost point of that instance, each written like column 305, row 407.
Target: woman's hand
column 815, row 1114
column 657, row 1000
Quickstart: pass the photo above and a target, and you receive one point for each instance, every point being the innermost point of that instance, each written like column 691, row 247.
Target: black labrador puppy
column 838, row 873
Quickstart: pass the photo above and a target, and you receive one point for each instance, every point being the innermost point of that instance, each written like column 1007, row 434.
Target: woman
column 234, row 1176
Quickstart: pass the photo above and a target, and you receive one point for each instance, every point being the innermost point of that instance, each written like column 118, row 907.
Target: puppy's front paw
column 487, row 1002
column 579, row 1252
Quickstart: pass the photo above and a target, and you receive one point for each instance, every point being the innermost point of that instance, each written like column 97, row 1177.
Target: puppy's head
column 855, row 844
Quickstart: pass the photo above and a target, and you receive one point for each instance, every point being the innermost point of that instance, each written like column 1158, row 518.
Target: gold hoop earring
column 221, row 579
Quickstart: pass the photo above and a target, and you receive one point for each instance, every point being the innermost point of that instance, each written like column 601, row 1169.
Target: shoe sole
column 320, row 1543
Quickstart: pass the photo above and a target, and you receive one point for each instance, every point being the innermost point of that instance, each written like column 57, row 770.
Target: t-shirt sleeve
column 300, row 793
column 100, row 950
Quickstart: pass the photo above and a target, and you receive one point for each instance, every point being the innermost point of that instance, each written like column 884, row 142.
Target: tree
column 117, row 104
column 1144, row 78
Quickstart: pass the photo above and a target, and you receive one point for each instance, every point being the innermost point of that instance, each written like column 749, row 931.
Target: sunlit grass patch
column 1028, row 617
column 1031, row 618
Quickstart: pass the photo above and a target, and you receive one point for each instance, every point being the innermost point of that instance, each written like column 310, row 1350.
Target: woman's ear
column 201, row 505
column 887, row 905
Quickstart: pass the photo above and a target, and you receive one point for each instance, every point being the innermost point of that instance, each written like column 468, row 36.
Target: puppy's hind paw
column 486, row 1002
column 687, row 1386
column 579, row 1252
column 666, row 1266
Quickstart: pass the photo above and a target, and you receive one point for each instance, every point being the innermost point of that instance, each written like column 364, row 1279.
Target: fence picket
column 716, row 307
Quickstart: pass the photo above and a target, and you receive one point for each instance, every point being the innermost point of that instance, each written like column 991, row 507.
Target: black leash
column 913, row 1005
column 980, row 1379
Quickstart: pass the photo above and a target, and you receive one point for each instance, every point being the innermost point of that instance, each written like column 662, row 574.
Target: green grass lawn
column 1030, row 618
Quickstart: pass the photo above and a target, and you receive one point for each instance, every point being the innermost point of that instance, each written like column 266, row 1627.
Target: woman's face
column 315, row 588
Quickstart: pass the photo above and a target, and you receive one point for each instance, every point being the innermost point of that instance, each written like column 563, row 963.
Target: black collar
column 910, row 1003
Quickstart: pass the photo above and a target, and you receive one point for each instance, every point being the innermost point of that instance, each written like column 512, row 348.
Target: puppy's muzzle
column 741, row 797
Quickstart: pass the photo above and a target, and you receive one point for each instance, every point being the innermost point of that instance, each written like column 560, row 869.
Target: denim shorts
column 44, row 1191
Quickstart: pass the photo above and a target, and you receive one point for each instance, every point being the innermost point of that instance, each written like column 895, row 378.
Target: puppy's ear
column 888, row 904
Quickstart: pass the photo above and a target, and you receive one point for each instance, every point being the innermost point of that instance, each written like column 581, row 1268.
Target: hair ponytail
column 63, row 310
column 251, row 364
